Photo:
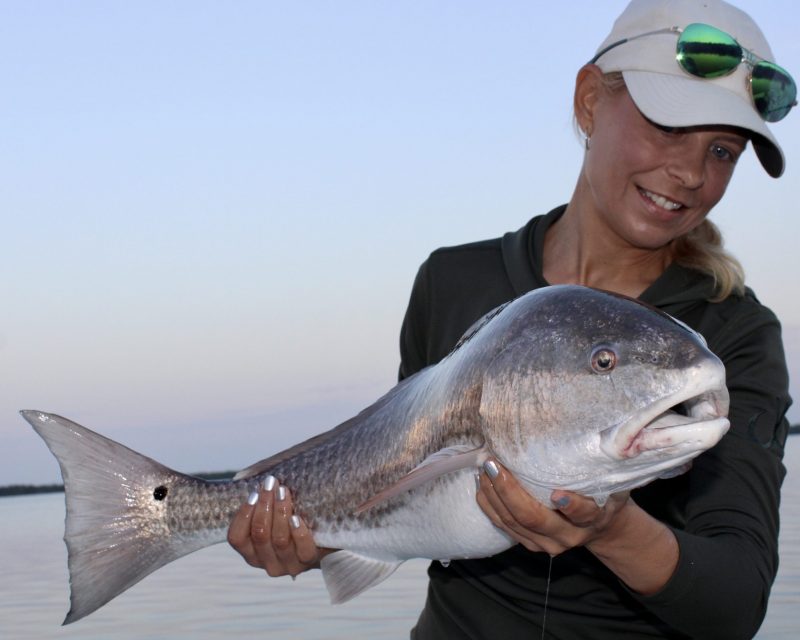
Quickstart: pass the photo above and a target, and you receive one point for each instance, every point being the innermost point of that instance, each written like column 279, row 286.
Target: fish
column 568, row 387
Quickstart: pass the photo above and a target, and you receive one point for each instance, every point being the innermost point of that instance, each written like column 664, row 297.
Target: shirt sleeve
column 729, row 543
column 413, row 349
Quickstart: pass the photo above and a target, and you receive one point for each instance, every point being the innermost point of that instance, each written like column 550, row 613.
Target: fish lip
column 691, row 434
column 659, row 427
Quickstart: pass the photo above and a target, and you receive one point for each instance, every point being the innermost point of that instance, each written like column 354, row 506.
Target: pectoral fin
column 347, row 574
column 437, row 464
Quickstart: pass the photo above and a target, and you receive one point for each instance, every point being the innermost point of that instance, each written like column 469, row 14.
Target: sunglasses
column 707, row 52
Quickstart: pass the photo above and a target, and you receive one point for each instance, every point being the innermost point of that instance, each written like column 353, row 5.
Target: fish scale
column 204, row 506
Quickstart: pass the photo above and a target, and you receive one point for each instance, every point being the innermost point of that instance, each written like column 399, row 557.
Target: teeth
column 661, row 201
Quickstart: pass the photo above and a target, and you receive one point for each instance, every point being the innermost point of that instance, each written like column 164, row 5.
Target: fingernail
column 252, row 498
column 491, row 469
column 281, row 493
column 562, row 502
column 295, row 522
column 477, row 482
column 269, row 483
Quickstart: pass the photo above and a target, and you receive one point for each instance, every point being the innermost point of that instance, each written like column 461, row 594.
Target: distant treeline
column 27, row 489
column 24, row 489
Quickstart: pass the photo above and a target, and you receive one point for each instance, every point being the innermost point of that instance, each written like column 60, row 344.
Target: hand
column 268, row 535
column 574, row 521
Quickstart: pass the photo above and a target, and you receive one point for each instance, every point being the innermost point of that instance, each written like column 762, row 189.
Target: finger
column 502, row 518
column 306, row 550
column 282, row 541
column 516, row 507
column 523, row 517
column 585, row 512
column 579, row 510
column 239, row 530
column 261, row 528
column 492, row 504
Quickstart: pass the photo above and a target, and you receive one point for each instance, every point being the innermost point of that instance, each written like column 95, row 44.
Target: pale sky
column 213, row 212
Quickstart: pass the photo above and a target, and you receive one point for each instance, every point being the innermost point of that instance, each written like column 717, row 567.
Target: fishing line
column 547, row 595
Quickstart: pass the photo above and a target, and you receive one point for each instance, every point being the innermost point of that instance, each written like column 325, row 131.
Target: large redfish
column 568, row 387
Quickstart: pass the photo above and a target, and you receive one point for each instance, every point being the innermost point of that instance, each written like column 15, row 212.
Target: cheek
column 610, row 168
column 717, row 180
column 621, row 153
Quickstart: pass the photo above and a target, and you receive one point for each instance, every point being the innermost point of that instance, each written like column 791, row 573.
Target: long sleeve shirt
column 724, row 511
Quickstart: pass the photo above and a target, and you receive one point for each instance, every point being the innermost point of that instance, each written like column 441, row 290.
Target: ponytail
column 702, row 249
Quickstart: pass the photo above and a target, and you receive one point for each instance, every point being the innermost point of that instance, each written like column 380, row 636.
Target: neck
column 580, row 249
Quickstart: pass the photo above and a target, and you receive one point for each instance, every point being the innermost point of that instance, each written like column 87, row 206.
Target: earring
column 586, row 142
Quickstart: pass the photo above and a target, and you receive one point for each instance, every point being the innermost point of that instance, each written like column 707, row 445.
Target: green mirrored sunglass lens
column 774, row 91
column 707, row 52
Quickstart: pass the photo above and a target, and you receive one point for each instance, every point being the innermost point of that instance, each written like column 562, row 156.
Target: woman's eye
column 721, row 153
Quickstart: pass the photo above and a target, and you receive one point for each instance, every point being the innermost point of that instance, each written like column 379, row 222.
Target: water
column 213, row 594
column 208, row 594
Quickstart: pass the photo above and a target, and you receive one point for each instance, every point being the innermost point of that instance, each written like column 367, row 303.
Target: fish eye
column 603, row 360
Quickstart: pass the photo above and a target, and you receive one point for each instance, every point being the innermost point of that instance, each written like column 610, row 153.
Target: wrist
column 622, row 526
column 640, row 550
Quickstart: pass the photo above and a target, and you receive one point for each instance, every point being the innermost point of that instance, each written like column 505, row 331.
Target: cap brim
column 684, row 101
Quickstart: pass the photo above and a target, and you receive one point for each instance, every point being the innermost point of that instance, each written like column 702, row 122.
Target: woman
column 693, row 556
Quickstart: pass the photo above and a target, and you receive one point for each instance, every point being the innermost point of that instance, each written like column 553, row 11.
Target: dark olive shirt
column 724, row 511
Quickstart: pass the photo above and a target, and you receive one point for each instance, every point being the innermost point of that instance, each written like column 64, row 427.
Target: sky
column 212, row 213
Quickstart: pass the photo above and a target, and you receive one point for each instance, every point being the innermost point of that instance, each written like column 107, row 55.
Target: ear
column 588, row 90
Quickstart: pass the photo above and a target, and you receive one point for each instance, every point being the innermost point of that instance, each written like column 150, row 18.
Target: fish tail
column 117, row 527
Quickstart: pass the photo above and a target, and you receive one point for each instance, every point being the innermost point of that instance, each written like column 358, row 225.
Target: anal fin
column 347, row 574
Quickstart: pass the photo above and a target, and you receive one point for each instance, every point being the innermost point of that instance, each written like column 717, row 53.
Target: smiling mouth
column 661, row 201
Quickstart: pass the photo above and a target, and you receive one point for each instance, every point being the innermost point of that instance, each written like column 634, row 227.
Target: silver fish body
column 567, row 386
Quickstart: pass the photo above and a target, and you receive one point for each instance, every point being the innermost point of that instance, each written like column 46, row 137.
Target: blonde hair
column 702, row 248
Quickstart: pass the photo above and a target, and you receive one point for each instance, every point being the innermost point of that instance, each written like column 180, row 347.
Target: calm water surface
column 213, row 594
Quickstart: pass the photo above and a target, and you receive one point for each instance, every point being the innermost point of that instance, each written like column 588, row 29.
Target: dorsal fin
column 263, row 466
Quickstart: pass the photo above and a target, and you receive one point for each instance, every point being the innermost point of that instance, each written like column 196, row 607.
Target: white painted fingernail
column 295, row 521
column 491, row 469
column 252, row 498
column 269, row 483
column 281, row 493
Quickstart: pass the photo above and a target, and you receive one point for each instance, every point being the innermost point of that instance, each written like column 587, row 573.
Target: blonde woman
column 668, row 104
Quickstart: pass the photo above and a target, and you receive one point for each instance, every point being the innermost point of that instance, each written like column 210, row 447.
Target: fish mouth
column 678, row 426
column 700, row 428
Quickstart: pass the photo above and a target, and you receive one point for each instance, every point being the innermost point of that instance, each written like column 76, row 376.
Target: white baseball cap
column 668, row 95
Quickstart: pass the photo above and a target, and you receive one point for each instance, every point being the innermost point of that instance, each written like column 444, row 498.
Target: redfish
column 568, row 387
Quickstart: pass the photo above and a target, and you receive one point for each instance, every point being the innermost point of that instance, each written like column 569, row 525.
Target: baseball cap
column 669, row 96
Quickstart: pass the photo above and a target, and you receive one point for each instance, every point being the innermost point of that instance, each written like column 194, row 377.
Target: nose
column 686, row 162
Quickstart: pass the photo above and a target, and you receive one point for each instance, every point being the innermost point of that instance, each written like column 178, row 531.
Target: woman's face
column 651, row 184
